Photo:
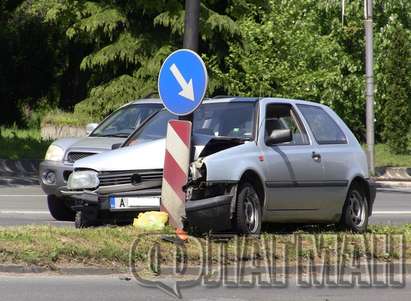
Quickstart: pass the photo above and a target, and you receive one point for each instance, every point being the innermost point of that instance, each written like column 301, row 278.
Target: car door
column 293, row 169
column 336, row 154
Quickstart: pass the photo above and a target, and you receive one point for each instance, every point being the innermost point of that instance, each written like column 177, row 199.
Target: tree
column 394, row 86
column 127, row 41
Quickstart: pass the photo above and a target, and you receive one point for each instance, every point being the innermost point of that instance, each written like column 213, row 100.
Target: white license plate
column 134, row 202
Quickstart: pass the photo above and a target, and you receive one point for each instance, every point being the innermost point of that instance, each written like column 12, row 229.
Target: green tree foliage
column 303, row 49
column 128, row 40
column 92, row 56
column 394, row 84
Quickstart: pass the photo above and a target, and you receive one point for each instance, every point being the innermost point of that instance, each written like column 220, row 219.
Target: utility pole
column 369, row 78
column 191, row 22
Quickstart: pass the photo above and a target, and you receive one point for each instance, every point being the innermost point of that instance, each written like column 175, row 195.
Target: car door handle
column 316, row 156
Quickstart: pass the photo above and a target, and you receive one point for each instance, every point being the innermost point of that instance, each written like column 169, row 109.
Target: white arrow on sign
column 187, row 90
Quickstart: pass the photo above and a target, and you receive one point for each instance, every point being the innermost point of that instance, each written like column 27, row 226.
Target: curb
column 72, row 271
column 393, row 184
column 19, row 172
column 19, row 167
column 97, row 271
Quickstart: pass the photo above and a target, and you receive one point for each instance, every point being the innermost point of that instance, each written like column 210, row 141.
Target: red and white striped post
column 175, row 175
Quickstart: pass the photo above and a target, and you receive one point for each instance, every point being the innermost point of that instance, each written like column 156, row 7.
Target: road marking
column 24, row 212
column 21, row 195
column 403, row 212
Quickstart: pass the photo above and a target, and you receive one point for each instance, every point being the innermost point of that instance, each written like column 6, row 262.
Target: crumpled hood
column 145, row 155
column 102, row 143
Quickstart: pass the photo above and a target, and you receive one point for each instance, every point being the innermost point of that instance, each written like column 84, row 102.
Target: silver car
column 62, row 153
column 255, row 160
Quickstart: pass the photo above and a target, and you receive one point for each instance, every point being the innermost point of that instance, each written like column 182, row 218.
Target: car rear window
column 323, row 127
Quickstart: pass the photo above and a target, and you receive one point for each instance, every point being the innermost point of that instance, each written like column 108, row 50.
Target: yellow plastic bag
column 151, row 221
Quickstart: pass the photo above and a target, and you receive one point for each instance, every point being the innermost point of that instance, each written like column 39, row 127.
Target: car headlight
column 85, row 179
column 54, row 153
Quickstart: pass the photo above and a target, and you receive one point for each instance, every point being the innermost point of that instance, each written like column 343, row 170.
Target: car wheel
column 355, row 211
column 248, row 210
column 82, row 220
column 59, row 208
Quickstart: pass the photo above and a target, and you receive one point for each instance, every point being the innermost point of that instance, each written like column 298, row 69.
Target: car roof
column 228, row 99
column 146, row 101
column 256, row 99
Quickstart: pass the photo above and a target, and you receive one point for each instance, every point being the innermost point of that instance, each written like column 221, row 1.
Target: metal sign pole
column 191, row 24
column 369, row 90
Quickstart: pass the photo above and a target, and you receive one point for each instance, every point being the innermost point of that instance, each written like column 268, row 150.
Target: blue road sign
column 182, row 82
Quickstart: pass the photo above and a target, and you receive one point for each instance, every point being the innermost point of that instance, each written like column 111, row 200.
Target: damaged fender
column 212, row 188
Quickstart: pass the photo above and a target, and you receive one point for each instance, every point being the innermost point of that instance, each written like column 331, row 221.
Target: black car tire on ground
column 81, row 221
column 248, row 210
column 355, row 211
column 60, row 209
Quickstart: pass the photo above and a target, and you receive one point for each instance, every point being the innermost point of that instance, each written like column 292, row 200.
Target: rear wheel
column 355, row 210
column 248, row 210
column 60, row 208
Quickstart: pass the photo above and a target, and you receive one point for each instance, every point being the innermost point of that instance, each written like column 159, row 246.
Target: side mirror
column 279, row 136
column 116, row 146
column 90, row 127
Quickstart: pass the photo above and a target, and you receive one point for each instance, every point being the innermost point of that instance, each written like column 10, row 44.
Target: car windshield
column 234, row 120
column 125, row 120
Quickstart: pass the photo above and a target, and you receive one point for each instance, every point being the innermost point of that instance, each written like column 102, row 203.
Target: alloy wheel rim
column 356, row 209
column 251, row 213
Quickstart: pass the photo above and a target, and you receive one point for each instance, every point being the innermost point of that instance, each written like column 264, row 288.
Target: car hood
column 147, row 155
column 97, row 143
column 150, row 154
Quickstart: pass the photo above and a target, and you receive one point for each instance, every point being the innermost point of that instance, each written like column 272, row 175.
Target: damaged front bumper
column 210, row 214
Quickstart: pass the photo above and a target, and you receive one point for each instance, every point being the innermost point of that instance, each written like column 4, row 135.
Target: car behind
column 63, row 153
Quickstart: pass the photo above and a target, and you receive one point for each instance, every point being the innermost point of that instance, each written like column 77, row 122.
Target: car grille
column 74, row 156
column 110, row 178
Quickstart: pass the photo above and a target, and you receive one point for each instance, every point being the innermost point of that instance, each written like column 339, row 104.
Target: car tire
column 248, row 210
column 355, row 211
column 60, row 209
column 81, row 220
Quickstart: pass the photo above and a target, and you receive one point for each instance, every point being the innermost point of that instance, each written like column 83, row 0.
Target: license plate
column 134, row 202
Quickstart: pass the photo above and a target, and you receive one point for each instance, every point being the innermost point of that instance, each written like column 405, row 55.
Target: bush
column 61, row 118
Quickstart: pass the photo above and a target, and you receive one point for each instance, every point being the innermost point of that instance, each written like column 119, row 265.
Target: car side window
column 282, row 116
column 323, row 127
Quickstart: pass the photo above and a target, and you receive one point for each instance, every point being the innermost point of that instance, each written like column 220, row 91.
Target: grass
column 18, row 144
column 110, row 246
column 384, row 157
column 60, row 118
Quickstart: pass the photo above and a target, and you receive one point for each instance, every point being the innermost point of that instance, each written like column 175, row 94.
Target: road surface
column 27, row 205
column 107, row 288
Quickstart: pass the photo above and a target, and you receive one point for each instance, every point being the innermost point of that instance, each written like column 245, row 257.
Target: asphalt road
column 24, row 205
column 102, row 288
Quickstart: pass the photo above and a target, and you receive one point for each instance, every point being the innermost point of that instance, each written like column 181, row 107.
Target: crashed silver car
column 255, row 160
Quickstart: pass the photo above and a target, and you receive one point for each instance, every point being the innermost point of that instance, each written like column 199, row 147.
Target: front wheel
column 60, row 208
column 355, row 211
column 248, row 210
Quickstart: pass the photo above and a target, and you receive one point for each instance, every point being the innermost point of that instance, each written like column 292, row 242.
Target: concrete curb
column 19, row 172
column 74, row 271
column 101, row 271
column 19, row 167
column 393, row 184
